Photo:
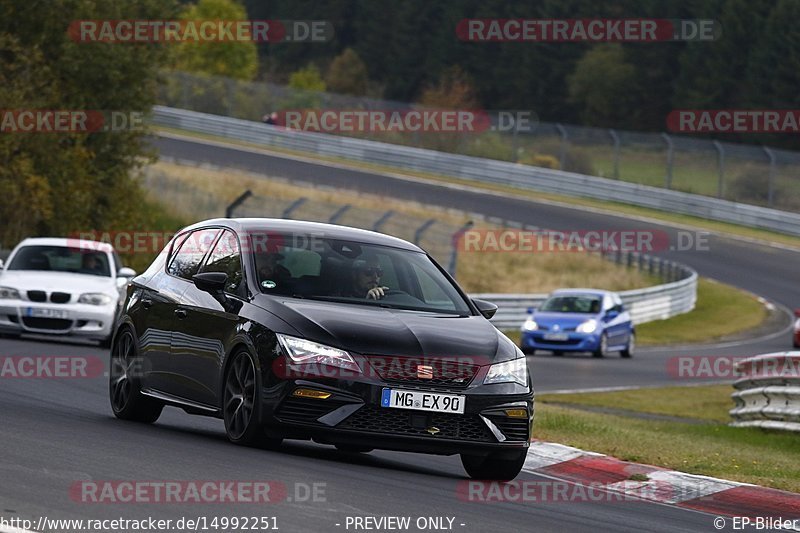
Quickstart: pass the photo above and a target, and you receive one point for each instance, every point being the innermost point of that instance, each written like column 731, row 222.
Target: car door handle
column 147, row 303
column 181, row 313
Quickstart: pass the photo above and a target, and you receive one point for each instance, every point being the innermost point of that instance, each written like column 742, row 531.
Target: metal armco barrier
column 767, row 394
column 480, row 170
column 645, row 305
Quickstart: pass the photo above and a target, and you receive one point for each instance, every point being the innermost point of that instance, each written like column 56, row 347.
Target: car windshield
column 572, row 304
column 354, row 273
column 60, row 259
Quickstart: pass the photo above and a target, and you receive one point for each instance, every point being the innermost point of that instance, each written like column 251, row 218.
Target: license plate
column 556, row 336
column 423, row 401
column 40, row 312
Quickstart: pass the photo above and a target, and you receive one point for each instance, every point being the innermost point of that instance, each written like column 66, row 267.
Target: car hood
column 563, row 320
column 379, row 331
column 24, row 280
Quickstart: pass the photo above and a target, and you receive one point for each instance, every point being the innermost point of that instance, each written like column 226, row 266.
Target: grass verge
column 610, row 207
column 721, row 311
column 748, row 455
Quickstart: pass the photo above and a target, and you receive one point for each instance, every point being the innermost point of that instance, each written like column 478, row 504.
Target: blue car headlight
column 530, row 325
column 589, row 326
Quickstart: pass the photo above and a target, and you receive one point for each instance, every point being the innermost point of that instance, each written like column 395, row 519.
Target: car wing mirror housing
column 211, row 282
column 487, row 309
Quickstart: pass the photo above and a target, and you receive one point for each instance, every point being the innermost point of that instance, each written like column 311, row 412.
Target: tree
column 600, row 84
column 455, row 89
column 348, row 74
column 306, row 84
column 59, row 183
column 233, row 59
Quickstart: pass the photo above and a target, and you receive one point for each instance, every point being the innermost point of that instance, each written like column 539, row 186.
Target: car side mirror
column 531, row 310
column 612, row 313
column 126, row 272
column 211, row 282
column 487, row 309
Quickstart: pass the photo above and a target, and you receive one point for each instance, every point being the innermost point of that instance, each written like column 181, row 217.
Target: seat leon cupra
column 299, row 330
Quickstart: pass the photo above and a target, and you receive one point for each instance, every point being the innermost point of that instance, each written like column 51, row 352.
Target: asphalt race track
column 59, row 432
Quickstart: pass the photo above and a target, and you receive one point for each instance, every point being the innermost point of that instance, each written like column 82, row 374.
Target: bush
column 541, row 160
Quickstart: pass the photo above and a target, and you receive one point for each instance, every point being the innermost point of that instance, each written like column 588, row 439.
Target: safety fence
column 767, row 395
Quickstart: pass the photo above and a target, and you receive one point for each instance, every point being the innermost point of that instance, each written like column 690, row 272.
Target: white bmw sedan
column 62, row 286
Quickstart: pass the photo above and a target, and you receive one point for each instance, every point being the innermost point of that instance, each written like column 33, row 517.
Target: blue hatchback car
column 579, row 320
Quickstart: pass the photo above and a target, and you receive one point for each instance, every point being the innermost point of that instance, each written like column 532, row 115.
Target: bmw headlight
column 530, row 325
column 302, row 351
column 7, row 293
column 587, row 327
column 514, row 371
column 94, row 298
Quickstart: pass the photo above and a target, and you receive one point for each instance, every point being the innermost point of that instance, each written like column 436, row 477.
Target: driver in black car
column 366, row 279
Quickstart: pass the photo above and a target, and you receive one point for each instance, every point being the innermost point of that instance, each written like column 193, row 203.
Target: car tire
column 106, row 343
column 241, row 402
column 627, row 353
column 602, row 348
column 350, row 448
column 493, row 467
column 124, row 389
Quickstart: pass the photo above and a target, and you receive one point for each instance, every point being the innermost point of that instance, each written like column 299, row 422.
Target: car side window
column 186, row 259
column 226, row 258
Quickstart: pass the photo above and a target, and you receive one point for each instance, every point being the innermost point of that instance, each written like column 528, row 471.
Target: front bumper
column 78, row 320
column 574, row 341
column 353, row 415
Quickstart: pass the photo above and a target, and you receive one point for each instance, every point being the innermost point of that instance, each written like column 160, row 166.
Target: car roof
column 78, row 244
column 593, row 292
column 330, row 231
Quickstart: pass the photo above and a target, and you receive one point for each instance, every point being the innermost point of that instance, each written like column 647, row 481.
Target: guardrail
column 480, row 170
column 768, row 393
column 644, row 305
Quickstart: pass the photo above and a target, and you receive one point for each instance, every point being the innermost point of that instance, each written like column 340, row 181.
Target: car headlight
column 587, row 327
column 7, row 293
column 302, row 351
column 514, row 371
column 530, row 325
column 94, row 298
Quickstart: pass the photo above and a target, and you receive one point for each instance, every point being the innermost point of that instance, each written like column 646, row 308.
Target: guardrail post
column 382, row 220
column 338, row 214
column 562, row 153
column 615, row 138
column 236, row 203
column 287, row 213
column 670, row 159
column 454, row 243
column 420, row 230
column 771, row 178
column 720, row 168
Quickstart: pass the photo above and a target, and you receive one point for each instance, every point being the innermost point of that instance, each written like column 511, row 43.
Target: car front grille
column 52, row 324
column 37, row 296
column 515, row 429
column 440, row 372
column 419, row 424
column 305, row 410
column 566, row 342
column 59, row 297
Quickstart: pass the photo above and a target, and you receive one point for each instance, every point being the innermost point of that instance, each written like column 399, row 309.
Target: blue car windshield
column 572, row 304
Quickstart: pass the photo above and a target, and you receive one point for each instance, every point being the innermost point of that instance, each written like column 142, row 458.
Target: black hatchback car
column 299, row 330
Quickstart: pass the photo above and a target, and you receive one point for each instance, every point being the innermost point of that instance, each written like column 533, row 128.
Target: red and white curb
column 701, row 493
